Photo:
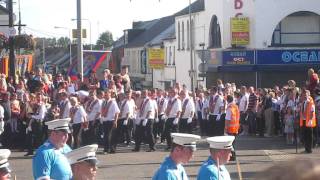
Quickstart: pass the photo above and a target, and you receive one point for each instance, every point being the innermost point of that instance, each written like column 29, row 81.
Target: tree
column 105, row 40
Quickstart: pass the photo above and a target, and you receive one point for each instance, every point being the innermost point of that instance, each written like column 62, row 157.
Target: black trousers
column 308, row 137
column 145, row 133
column 253, row 121
column 35, row 137
column 211, row 127
column 184, row 127
column 109, row 136
column 219, row 126
column 124, row 132
column 158, row 127
column 75, row 133
column 202, row 123
column 168, row 129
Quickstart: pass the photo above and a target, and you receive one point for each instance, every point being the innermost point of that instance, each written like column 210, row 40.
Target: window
column 167, row 59
column 182, row 32
column 188, row 35
column 298, row 29
column 178, row 36
column 174, row 56
column 215, row 35
column 170, row 55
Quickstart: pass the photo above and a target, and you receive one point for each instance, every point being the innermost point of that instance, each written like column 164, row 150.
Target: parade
column 164, row 90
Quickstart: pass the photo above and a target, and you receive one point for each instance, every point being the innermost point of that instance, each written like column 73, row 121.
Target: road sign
column 203, row 67
column 204, row 55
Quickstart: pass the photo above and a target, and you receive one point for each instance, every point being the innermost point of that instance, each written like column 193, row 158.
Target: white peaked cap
column 221, row 142
column 83, row 153
column 59, row 124
column 188, row 140
column 4, row 155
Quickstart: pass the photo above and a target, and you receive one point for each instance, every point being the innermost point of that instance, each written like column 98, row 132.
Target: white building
column 283, row 40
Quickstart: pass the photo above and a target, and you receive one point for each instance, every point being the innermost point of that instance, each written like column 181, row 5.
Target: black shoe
column 28, row 154
column 151, row 150
column 168, row 149
column 112, row 152
column 135, row 150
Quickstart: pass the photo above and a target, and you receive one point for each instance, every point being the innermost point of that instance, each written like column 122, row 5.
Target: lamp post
column 70, row 45
column 192, row 72
column 89, row 29
column 79, row 41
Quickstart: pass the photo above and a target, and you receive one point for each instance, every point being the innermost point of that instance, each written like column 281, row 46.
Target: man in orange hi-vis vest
column 307, row 119
column 232, row 121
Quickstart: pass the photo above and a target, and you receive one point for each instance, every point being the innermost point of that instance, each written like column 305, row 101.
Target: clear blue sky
column 41, row 16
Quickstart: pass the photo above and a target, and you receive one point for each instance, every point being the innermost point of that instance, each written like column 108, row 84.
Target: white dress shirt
column 41, row 112
column 79, row 115
column 244, row 101
column 129, row 107
column 112, row 110
column 176, row 107
column 188, row 109
column 95, row 110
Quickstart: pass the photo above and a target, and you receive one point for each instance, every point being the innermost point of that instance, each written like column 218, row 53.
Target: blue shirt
column 209, row 171
column 104, row 84
column 169, row 170
column 51, row 163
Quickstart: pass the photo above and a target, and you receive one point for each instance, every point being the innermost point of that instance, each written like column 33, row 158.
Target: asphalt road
column 254, row 155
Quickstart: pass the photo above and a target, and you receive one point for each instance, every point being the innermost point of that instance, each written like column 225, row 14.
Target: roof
column 166, row 34
column 3, row 10
column 151, row 31
column 155, row 31
column 196, row 6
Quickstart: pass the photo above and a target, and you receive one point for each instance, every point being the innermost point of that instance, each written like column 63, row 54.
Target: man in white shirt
column 243, row 107
column 213, row 108
column 173, row 112
column 125, row 122
column 159, row 123
column 78, row 116
column 109, row 116
column 187, row 113
column 201, row 115
column 146, row 116
column 93, row 109
column 64, row 105
column 35, row 127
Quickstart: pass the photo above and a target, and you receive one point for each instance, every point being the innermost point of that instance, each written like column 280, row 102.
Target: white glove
column 163, row 117
column 208, row 117
column 157, row 120
column 29, row 128
column 218, row 117
column 144, row 122
column 125, row 122
column 189, row 120
column 175, row 121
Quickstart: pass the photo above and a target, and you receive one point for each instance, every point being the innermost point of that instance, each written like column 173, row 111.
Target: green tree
column 105, row 40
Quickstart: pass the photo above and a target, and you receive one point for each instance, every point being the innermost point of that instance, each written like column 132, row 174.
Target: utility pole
column 192, row 72
column 79, row 40
column 11, row 43
column 19, row 27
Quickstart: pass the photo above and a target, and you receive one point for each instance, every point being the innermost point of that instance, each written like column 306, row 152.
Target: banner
column 292, row 56
column 156, row 58
column 240, row 31
column 92, row 60
column 238, row 57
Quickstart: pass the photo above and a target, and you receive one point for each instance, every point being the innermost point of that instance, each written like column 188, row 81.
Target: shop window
column 298, row 29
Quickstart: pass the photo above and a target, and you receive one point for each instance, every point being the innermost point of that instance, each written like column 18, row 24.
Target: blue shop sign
column 294, row 56
column 238, row 57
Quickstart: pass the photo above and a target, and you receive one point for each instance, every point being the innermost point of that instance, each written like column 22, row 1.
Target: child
column 15, row 112
column 289, row 119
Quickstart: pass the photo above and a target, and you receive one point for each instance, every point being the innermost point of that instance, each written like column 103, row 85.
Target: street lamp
column 89, row 28
column 70, row 45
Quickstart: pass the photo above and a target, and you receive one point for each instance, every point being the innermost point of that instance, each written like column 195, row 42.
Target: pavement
column 255, row 154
